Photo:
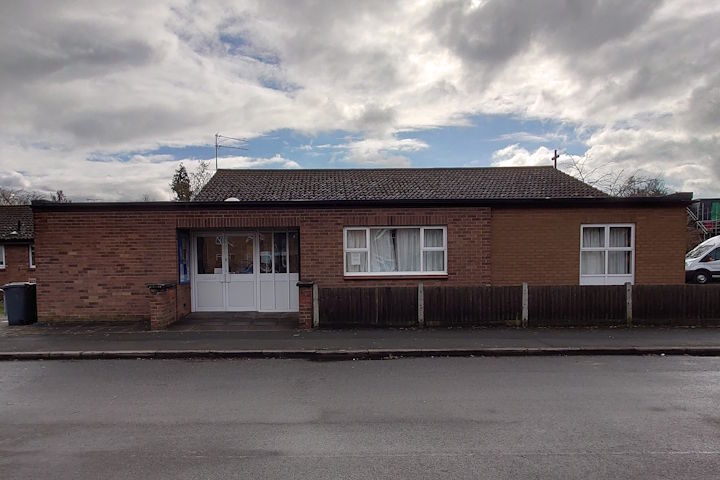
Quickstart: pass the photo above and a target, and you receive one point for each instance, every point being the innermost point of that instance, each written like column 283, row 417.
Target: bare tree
column 616, row 183
column 16, row 196
column 200, row 177
column 147, row 197
column 593, row 176
column 59, row 197
column 640, row 186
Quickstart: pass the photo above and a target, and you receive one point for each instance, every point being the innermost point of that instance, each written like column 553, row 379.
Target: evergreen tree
column 181, row 184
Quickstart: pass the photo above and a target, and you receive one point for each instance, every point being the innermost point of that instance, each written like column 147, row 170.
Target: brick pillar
column 163, row 311
column 306, row 304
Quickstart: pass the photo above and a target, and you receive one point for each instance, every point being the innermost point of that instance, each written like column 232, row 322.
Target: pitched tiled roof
column 10, row 215
column 492, row 183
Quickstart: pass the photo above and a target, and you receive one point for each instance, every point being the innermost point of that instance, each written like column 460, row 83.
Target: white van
column 702, row 263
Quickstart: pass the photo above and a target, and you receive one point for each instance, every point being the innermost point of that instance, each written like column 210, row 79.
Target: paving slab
column 95, row 343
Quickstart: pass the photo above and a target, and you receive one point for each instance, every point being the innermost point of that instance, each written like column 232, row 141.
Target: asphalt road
column 551, row 417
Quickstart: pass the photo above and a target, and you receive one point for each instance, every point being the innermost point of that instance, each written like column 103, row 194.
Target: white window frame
column 2, row 257
column 608, row 278
column 423, row 249
column 31, row 255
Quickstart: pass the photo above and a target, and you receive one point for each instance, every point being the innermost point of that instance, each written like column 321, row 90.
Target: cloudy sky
column 103, row 99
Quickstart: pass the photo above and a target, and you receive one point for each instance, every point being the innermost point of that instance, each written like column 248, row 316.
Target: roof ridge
column 384, row 169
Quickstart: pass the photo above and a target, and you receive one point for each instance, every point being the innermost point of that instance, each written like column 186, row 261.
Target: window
column 395, row 251
column 183, row 258
column 209, row 254
column 607, row 254
column 280, row 252
column 266, row 252
column 241, row 253
column 294, row 252
column 2, row 257
column 713, row 256
column 31, row 254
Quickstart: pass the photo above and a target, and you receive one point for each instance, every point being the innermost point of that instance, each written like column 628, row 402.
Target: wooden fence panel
column 368, row 307
column 560, row 306
column 576, row 306
column 676, row 305
column 472, row 306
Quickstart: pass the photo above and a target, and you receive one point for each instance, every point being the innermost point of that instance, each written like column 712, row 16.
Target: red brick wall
column 305, row 300
column 542, row 246
column 17, row 264
column 94, row 264
column 163, row 310
column 183, row 300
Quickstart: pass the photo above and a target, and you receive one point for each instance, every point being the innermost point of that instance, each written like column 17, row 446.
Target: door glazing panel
column 240, row 280
column 209, row 286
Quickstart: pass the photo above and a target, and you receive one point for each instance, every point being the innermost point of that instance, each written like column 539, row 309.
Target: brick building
column 256, row 240
column 16, row 244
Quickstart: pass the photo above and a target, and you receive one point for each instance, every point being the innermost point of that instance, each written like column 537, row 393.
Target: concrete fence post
column 525, row 308
column 316, row 304
column 421, row 305
column 628, row 304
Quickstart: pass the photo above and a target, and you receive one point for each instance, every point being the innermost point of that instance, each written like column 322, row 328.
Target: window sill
column 443, row 276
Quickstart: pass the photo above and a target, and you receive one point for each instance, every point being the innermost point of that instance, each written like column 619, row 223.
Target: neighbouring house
column 704, row 214
column 17, row 251
column 257, row 240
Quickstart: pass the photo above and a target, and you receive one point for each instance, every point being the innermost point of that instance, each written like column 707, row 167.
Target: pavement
column 94, row 342
column 647, row 417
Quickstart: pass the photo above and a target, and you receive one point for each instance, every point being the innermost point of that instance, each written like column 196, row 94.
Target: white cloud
column 111, row 178
column 533, row 137
column 517, row 156
column 251, row 162
column 381, row 152
column 637, row 79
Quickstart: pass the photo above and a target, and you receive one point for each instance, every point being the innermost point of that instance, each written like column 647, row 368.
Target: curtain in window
column 619, row 262
column 433, row 237
column 593, row 237
column 356, row 261
column 619, row 236
column 356, row 239
column 592, row 263
column 434, row 261
column 408, row 249
column 382, row 251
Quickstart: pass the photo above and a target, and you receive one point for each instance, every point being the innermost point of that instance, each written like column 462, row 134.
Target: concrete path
column 338, row 344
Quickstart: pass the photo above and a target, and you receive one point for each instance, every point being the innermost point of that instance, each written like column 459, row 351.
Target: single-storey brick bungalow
column 256, row 240
column 17, row 259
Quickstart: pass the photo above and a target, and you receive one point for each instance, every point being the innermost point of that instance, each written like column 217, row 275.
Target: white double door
column 245, row 271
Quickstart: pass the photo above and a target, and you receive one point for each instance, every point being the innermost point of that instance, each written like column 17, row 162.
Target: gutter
column 677, row 199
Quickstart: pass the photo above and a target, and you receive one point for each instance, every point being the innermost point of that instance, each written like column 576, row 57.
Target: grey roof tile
column 492, row 183
column 10, row 215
